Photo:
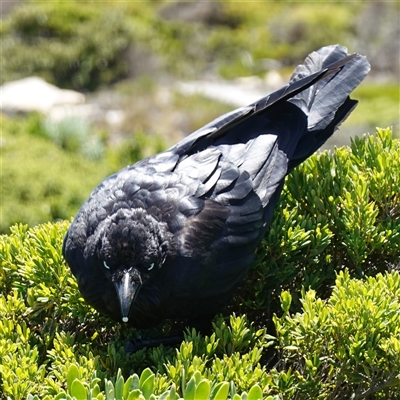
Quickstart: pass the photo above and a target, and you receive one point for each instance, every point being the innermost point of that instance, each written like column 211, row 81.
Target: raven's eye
column 150, row 267
column 105, row 265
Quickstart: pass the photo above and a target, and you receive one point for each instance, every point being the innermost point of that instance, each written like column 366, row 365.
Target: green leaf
column 128, row 385
column 144, row 376
column 119, row 386
column 96, row 390
column 109, row 388
column 148, row 386
column 164, row 396
column 255, row 393
column 72, row 374
column 220, row 391
column 203, row 390
column 286, row 300
column 172, row 393
column 190, row 389
column 78, row 390
column 135, row 382
column 134, row 395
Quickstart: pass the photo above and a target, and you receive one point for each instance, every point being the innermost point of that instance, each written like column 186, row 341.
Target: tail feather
column 275, row 134
column 318, row 88
column 319, row 60
column 309, row 144
column 321, row 101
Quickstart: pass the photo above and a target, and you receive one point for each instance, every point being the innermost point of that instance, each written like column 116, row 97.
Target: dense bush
column 69, row 44
column 82, row 44
column 339, row 210
column 279, row 31
column 45, row 327
column 74, row 134
column 340, row 344
column 345, row 347
column 53, row 345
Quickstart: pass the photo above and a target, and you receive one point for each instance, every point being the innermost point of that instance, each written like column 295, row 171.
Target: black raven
column 173, row 235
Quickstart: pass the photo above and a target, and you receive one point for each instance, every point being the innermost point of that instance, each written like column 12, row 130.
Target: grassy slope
column 40, row 181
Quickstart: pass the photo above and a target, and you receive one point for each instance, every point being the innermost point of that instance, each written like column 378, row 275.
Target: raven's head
column 130, row 247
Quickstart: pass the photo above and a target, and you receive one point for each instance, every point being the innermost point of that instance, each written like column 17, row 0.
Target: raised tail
column 326, row 104
column 319, row 88
column 321, row 101
column 270, row 137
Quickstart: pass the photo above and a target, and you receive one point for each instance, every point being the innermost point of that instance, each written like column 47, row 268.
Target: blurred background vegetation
column 129, row 58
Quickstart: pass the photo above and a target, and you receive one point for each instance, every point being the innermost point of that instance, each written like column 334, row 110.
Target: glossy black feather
column 189, row 219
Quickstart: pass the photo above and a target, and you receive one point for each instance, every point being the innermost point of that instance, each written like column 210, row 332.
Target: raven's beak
column 127, row 291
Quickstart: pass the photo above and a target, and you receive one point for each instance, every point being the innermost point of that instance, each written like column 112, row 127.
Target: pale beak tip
column 125, row 319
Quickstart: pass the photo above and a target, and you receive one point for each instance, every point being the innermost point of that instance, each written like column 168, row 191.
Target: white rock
column 34, row 94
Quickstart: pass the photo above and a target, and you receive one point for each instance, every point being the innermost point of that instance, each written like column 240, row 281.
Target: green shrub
column 53, row 345
column 41, row 182
column 345, row 347
column 74, row 134
column 50, row 336
column 86, row 43
column 142, row 388
column 69, row 44
column 338, row 210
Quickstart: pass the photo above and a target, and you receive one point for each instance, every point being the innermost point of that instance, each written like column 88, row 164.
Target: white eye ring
column 151, row 267
column 105, row 265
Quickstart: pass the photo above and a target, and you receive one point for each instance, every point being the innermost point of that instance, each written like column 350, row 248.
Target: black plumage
column 173, row 235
